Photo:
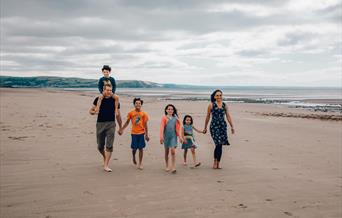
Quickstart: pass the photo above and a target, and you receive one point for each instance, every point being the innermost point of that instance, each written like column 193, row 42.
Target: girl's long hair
column 186, row 116
column 174, row 109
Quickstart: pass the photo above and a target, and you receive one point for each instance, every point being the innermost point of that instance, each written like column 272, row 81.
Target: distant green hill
column 64, row 82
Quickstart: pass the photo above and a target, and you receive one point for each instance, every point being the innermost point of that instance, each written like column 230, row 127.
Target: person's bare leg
column 193, row 152
column 215, row 164
column 103, row 155
column 167, row 159
column 108, row 155
column 173, row 159
column 218, row 165
column 185, row 155
column 141, row 154
column 133, row 156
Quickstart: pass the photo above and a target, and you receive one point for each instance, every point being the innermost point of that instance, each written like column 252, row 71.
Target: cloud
column 195, row 41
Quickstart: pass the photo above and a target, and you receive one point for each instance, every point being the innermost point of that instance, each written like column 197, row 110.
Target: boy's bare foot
column 174, row 171
column 140, row 167
column 184, row 164
column 167, row 169
column 134, row 161
column 197, row 165
column 107, row 169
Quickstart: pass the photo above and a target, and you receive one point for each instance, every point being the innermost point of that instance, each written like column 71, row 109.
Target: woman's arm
column 229, row 119
column 207, row 118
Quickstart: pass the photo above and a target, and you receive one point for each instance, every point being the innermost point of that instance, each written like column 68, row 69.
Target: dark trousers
column 218, row 152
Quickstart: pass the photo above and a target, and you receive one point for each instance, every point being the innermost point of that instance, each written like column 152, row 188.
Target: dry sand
column 276, row 166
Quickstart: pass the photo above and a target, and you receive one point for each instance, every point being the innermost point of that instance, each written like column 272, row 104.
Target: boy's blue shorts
column 138, row 141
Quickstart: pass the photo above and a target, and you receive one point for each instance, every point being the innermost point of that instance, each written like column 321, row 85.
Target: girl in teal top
column 170, row 127
column 189, row 141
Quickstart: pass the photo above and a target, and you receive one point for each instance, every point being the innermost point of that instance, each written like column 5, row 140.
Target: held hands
column 147, row 138
column 204, row 131
column 120, row 131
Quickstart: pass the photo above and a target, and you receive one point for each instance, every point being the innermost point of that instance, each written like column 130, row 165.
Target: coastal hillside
column 64, row 82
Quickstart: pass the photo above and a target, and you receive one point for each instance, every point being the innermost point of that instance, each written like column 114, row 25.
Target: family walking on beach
column 172, row 130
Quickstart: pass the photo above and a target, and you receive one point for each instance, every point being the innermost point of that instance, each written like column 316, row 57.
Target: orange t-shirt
column 138, row 121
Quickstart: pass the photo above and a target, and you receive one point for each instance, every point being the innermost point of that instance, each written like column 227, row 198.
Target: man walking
column 105, row 126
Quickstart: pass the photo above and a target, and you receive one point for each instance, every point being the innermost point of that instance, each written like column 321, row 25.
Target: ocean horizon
column 314, row 98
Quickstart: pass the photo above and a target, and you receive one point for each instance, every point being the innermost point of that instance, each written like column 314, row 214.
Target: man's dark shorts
column 105, row 134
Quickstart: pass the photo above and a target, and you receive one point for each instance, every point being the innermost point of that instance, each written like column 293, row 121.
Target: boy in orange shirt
column 139, row 130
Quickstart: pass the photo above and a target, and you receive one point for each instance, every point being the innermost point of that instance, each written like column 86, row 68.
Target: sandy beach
column 275, row 167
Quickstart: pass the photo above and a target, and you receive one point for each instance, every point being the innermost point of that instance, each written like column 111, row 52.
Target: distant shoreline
column 333, row 105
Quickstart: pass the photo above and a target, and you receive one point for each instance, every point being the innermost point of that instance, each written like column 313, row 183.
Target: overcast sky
column 238, row 42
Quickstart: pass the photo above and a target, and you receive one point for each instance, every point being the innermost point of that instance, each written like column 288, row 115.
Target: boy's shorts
column 138, row 141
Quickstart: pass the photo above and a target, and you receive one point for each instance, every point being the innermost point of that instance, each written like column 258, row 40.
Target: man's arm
column 92, row 110
column 116, row 98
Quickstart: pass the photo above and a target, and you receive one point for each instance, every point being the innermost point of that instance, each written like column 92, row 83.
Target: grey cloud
column 251, row 53
column 43, row 35
column 295, row 38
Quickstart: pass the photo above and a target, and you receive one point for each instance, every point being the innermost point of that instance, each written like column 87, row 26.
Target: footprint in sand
column 219, row 181
column 268, row 199
column 288, row 213
column 88, row 192
column 242, row 206
column 19, row 138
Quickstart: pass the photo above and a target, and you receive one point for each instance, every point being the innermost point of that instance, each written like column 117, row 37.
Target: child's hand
column 120, row 131
column 204, row 131
column 161, row 141
column 147, row 138
column 181, row 140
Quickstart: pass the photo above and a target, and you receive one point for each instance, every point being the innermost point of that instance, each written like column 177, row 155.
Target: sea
column 325, row 99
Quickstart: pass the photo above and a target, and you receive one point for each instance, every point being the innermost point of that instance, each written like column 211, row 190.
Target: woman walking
column 218, row 126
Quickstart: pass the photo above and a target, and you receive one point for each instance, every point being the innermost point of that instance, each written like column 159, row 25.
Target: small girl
column 189, row 141
column 170, row 127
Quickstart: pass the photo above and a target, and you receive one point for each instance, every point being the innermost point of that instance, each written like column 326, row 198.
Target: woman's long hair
column 212, row 97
